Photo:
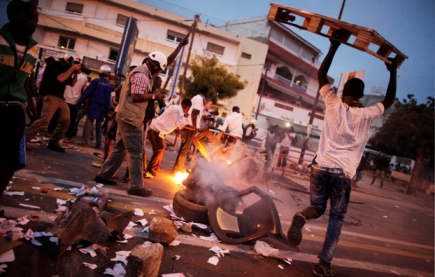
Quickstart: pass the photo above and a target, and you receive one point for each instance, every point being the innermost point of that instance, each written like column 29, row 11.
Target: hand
column 340, row 35
column 31, row 110
column 76, row 66
column 392, row 66
column 185, row 40
column 159, row 96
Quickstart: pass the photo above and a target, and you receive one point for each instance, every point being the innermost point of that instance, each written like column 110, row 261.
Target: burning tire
column 188, row 210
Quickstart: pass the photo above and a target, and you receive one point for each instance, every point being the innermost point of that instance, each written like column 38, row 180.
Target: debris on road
column 213, row 260
column 91, row 266
column 162, row 230
column 145, row 260
column 219, row 252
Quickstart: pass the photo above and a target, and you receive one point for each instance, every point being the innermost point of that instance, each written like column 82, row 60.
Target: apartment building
column 290, row 75
column 93, row 31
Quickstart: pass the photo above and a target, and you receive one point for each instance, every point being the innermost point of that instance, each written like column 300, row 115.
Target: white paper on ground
column 219, row 252
column 211, row 238
column 264, row 249
column 2, row 267
column 146, row 229
column 61, row 209
column 36, row 188
column 90, row 250
column 57, row 188
column 54, row 239
column 91, row 266
column 280, row 266
column 175, row 243
column 138, row 212
column 29, row 234
column 121, row 256
column 143, row 221
column 213, row 260
column 169, row 208
column 29, row 206
column 99, row 185
column 307, row 229
column 130, row 225
column 176, row 257
column 60, row 201
column 152, row 212
column 200, row 225
column 117, row 271
column 7, row 257
column 11, row 193
column 174, row 275
column 35, row 242
column 23, row 220
column 127, row 236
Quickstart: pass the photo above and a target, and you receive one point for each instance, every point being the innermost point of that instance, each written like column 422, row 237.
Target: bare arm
column 146, row 97
column 391, row 89
column 174, row 54
column 63, row 76
column 326, row 64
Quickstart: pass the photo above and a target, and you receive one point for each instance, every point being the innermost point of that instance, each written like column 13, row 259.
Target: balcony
column 289, row 83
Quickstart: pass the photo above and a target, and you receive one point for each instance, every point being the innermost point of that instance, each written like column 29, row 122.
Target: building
column 289, row 76
column 93, row 31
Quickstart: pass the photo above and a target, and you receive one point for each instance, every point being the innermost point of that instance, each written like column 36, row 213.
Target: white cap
column 160, row 58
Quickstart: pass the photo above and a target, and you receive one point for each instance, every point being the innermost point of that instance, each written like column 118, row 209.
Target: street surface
column 386, row 232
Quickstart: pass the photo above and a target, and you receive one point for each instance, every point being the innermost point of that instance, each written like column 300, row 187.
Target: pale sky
column 407, row 24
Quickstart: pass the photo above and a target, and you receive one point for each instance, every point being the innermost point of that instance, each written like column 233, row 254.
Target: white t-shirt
column 197, row 104
column 234, row 122
column 72, row 94
column 172, row 118
column 345, row 132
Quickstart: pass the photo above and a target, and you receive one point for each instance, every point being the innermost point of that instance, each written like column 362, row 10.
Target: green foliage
column 206, row 71
column 408, row 130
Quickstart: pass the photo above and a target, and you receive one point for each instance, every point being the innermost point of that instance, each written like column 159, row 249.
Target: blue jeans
column 325, row 185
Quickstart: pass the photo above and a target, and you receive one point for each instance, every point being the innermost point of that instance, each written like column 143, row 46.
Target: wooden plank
column 365, row 38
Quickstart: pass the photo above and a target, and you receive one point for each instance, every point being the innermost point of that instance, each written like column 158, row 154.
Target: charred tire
column 189, row 210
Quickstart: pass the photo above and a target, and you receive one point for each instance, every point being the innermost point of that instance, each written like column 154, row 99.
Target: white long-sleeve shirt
column 234, row 122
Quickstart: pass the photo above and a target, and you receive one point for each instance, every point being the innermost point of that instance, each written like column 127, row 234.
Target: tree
column 408, row 132
column 206, row 71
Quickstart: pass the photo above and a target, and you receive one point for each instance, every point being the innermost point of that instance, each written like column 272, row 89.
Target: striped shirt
column 345, row 132
column 140, row 82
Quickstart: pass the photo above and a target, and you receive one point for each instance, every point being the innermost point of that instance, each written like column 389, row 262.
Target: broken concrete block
column 162, row 230
column 144, row 260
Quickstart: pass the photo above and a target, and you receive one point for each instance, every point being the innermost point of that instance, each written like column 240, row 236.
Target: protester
column 19, row 54
column 284, row 148
column 249, row 132
column 174, row 117
column 72, row 95
column 381, row 166
column 57, row 75
column 234, row 122
column 130, row 116
column 99, row 94
column 344, row 135
column 273, row 136
column 195, row 113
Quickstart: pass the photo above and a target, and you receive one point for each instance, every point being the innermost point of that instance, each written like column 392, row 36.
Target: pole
column 313, row 110
column 267, row 64
column 195, row 23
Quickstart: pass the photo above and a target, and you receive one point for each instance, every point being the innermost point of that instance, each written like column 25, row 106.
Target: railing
column 283, row 80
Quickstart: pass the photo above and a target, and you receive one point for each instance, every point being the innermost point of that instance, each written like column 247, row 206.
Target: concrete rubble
column 144, row 260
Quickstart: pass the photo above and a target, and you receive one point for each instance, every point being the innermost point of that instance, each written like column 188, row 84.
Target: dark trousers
column 158, row 145
column 186, row 141
column 72, row 120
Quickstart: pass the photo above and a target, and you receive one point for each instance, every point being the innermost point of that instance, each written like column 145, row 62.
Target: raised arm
column 391, row 89
column 174, row 54
column 326, row 64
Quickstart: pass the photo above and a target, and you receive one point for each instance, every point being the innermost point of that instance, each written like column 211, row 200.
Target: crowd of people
column 63, row 94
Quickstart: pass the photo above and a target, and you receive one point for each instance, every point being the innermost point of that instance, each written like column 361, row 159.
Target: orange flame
column 180, row 177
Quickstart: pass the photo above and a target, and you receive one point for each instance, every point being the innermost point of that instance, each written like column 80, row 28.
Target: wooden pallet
column 364, row 38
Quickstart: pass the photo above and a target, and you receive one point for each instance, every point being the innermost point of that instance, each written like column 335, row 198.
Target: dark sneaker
column 100, row 180
column 152, row 172
column 55, row 147
column 323, row 269
column 140, row 192
column 294, row 233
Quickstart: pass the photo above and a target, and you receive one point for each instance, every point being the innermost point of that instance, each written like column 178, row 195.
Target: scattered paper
column 264, row 249
column 146, row 229
column 29, row 206
column 57, row 188
column 152, row 212
column 385, row 216
column 35, row 242
column 99, row 185
column 175, row 243
column 2, row 267
column 7, row 257
column 211, row 238
column 60, row 201
column 127, row 236
column 200, row 225
column 307, row 229
column 176, row 257
column 130, row 225
column 54, row 239
column 121, row 256
column 91, row 266
column 29, row 234
column 122, row 241
column 143, row 221
column 169, row 209
column 280, row 266
column 138, row 212
column 36, row 188
column 117, row 271
column 23, row 220
column 90, row 250
column 11, row 193
column 213, row 260
column 174, row 275
column 288, row 260
column 61, row 209
column 219, row 252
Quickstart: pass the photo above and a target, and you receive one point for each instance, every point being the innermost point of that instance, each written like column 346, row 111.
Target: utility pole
column 267, row 66
column 313, row 110
column 195, row 23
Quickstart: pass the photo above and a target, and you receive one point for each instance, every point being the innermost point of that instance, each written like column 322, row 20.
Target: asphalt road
column 386, row 233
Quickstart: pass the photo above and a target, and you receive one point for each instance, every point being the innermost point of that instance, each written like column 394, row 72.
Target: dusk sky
column 407, row 24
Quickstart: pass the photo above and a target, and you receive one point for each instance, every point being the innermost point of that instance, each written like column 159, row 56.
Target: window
column 113, row 54
column 74, row 8
column 246, row 55
column 174, row 36
column 66, row 43
column 121, row 20
column 214, row 48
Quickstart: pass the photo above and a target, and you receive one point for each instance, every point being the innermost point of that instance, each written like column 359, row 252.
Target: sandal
column 323, row 269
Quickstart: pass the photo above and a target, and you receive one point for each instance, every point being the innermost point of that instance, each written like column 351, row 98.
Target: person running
column 344, row 135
